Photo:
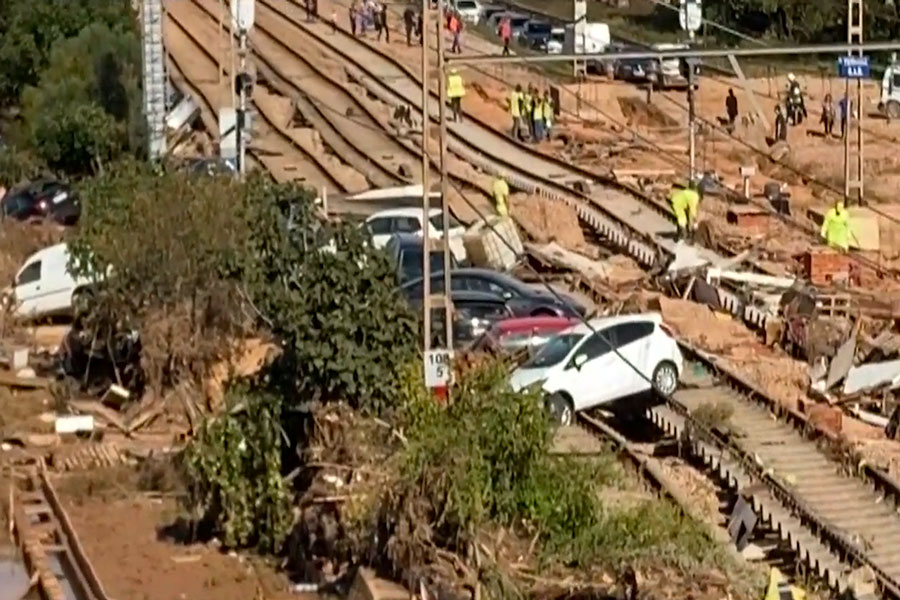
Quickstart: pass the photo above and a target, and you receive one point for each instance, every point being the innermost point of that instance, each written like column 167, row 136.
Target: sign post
column 853, row 67
column 438, row 370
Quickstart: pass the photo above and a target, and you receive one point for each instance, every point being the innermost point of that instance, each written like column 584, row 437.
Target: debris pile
column 546, row 220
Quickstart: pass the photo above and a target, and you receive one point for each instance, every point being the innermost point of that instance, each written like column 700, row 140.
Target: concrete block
column 368, row 586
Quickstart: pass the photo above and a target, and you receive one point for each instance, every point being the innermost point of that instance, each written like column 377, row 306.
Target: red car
column 525, row 333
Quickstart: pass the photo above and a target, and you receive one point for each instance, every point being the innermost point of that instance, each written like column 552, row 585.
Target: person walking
column 500, row 192
column 419, row 28
column 505, row 33
column 844, row 107
column 409, row 23
column 354, row 11
column 515, row 111
column 731, row 107
column 455, row 92
column 455, row 27
column 781, row 125
column 381, row 17
column 836, row 226
column 827, row 119
column 685, row 200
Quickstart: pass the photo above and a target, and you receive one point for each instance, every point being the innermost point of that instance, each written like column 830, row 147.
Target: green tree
column 85, row 110
column 332, row 301
column 29, row 29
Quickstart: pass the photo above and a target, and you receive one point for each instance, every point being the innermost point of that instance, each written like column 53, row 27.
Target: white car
column 44, row 286
column 578, row 369
column 387, row 223
column 469, row 10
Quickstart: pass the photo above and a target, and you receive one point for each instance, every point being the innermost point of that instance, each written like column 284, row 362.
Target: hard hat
column 454, row 71
column 791, row 77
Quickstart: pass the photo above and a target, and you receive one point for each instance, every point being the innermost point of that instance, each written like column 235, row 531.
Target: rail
column 51, row 548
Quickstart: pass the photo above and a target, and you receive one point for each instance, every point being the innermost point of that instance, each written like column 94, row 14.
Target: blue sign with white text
column 853, row 67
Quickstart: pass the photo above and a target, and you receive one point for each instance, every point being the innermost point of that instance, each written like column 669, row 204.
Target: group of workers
column 685, row 201
column 532, row 113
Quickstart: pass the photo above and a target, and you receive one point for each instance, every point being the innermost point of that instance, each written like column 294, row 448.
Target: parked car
column 510, row 336
column 384, row 224
column 44, row 286
column 535, row 34
column 526, row 300
column 488, row 11
column 473, row 314
column 469, row 10
column 405, row 250
column 556, row 40
column 42, row 199
column 614, row 358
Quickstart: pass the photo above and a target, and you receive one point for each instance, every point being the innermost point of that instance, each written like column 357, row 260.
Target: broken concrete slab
column 872, row 376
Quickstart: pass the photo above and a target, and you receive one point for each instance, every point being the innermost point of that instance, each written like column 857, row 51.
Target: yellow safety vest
column 527, row 103
column 684, row 204
column 836, row 228
column 501, row 192
column 548, row 111
column 514, row 99
column 455, row 87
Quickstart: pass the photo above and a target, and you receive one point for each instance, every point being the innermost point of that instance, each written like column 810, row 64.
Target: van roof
column 56, row 250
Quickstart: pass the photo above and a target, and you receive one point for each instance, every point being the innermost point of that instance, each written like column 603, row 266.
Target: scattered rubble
column 546, row 220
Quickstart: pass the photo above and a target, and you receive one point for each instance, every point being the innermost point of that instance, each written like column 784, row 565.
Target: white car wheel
column 665, row 378
column 561, row 409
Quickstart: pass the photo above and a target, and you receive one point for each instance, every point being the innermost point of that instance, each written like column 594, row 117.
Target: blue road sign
column 853, row 67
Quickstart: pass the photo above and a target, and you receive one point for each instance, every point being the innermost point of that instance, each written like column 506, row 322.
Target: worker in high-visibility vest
column 528, row 110
column 836, row 226
column 685, row 201
column 780, row 589
column 455, row 92
column 515, row 111
column 500, row 191
column 548, row 113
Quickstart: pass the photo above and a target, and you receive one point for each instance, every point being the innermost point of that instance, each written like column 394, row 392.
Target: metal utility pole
column 690, row 17
column 154, row 74
column 426, row 194
column 853, row 150
column 243, row 16
column 438, row 368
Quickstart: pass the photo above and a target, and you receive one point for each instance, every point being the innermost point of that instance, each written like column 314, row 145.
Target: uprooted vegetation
column 464, row 497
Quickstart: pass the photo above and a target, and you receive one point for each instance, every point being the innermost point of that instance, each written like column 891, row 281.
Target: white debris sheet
column 872, row 376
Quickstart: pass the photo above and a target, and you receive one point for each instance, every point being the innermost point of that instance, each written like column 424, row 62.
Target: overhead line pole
column 445, row 210
column 853, row 150
column 426, row 191
column 473, row 59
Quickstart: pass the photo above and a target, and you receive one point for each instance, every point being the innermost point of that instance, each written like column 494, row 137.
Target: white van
column 669, row 73
column 592, row 39
column 43, row 285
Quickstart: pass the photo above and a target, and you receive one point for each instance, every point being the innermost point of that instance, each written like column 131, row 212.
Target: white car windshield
column 554, row 352
column 437, row 222
column 464, row 5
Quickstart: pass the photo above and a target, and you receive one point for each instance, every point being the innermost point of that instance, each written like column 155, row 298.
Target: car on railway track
column 528, row 300
column 609, row 362
column 473, row 314
column 528, row 334
column 405, row 252
column 386, row 223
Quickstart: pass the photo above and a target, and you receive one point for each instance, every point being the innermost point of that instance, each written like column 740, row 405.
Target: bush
column 484, row 459
column 168, row 240
column 234, row 471
column 332, row 300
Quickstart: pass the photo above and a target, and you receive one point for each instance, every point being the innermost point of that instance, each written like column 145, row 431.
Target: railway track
column 276, row 147
column 50, row 547
column 360, row 134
